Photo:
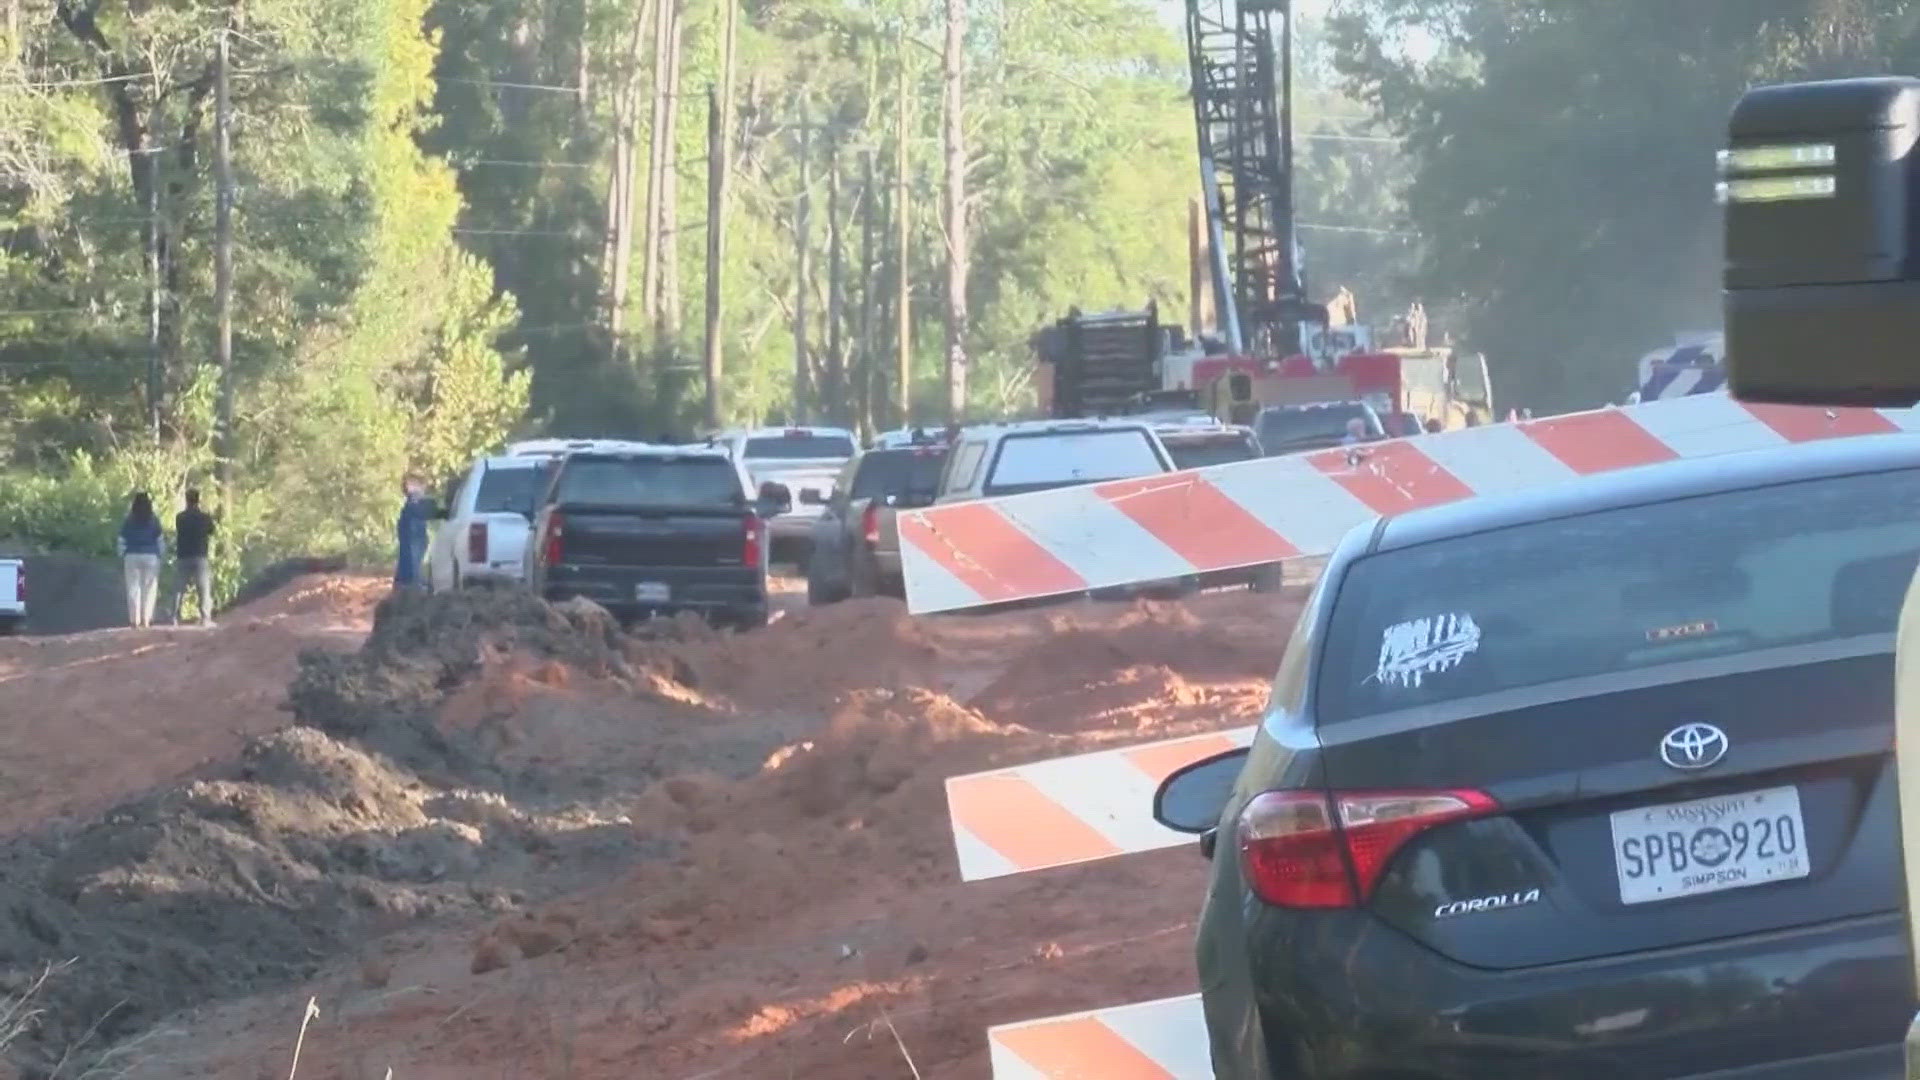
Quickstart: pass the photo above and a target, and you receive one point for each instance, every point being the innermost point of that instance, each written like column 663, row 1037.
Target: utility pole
column 618, row 252
column 801, row 270
column 223, row 261
column 864, row 408
column 719, row 151
column 836, row 390
column 903, row 304
column 953, row 78
column 1196, row 268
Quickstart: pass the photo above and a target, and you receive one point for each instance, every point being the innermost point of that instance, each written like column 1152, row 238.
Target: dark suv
column 856, row 541
column 655, row 531
column 1594, row 782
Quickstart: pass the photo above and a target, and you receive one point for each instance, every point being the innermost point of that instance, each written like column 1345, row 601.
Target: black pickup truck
column 655, row 531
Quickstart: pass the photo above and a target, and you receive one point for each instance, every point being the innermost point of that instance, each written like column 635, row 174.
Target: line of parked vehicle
column 649, row 529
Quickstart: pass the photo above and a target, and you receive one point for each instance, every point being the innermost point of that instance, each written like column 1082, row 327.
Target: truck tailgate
column 500, row 541
column 664, row 537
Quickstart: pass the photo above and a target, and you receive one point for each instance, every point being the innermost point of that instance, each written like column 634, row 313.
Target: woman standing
column 141, row 542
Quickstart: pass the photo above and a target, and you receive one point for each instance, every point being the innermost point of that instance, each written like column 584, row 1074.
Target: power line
column 516, row 85
column 1316, row 226
column 54, row 84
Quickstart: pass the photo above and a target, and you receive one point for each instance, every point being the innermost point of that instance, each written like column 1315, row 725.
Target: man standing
column 192, row 545
column 411, row 533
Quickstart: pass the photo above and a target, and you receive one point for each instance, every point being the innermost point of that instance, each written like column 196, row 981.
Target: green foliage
column 1563, row 159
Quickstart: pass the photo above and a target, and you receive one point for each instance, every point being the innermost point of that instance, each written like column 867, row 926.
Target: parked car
column 1293, row 429
column 1594, row 781
column 800, row 459
column 655, row 530
column 1039, row 455
column 13, row 596
column 482, row 523
column 856, row 543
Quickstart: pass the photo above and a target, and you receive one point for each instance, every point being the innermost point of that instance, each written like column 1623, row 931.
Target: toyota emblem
column 1693, row 746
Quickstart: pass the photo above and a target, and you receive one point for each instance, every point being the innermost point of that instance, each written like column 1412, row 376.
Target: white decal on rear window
column 1411, row 651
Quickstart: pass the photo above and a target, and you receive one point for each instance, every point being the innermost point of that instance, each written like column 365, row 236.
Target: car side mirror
column 1193, row 798
column 808, row 497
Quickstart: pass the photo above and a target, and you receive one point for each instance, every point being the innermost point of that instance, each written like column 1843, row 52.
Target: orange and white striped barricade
column 1157, row 528
column 1152, row 1040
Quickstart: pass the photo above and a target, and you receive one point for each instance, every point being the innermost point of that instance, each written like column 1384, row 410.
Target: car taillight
column 1307, row 849
column 870, row 524
column 20, row 584
column 556, row 539
column 477, row 542
column 750, row 542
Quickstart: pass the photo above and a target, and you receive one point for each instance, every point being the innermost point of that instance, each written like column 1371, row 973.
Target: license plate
column 1707, row 845
column 651, row 592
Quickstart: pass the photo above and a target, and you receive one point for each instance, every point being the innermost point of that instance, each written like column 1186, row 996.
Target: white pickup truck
column 800, row 459
column 13, row 596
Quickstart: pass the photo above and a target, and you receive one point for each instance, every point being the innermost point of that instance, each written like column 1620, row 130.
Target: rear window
column 510, row 490
column 1715, row 575
column 800, row 447
column 1198, row 453
column 650, row 481
column 1297, row 425
column 899, row 472
column 1060, row 459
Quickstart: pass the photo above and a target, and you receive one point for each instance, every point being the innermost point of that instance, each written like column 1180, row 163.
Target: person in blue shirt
column 141, row 543
column 411, row 533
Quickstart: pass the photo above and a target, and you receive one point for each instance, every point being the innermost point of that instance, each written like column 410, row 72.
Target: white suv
column 482, row 526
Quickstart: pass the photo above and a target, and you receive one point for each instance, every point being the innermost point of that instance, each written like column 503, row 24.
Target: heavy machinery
column 1275, row 345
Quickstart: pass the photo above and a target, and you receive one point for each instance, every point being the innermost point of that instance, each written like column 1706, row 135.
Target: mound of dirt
column 364, row 816
column 802, row 660
column 1157, row 653
column 424, row 646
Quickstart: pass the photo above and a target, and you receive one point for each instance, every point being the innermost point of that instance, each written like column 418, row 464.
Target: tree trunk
column 719, row 154
column 621, row 184
column 902, row 273
column 836, row 392
column 802, row 271
column 952, row 72
column 656, row 147
column 863, row 332
column 669, row 230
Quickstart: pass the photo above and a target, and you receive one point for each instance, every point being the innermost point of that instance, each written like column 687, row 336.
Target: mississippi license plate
column 1707, row 845
column 652, row 592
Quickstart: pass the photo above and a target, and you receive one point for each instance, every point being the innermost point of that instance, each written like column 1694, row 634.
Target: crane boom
column 1244, row 124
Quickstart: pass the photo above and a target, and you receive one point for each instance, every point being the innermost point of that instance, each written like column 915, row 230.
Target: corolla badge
column 1693, row 746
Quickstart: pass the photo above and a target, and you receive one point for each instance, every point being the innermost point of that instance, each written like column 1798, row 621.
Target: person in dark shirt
column 193, row 530
column 141, row 543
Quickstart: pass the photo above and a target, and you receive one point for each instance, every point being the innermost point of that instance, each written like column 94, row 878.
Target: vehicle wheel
column 752, row 620
column 865, row 576
column 9, row 627
column 1267, row 579
column 821, row 588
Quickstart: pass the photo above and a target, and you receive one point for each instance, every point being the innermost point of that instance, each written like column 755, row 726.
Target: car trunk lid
column 1601, row 846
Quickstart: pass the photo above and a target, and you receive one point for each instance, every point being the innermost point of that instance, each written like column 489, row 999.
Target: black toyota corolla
column 1590, row 783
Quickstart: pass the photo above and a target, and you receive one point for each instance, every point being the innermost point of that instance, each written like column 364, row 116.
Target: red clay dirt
column 93, row 718
column 796, row 911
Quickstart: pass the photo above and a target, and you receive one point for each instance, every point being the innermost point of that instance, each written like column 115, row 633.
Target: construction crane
column 1243, row 117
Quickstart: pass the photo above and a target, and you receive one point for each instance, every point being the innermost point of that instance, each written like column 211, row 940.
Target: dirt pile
column 423, row 647
column 364, row 817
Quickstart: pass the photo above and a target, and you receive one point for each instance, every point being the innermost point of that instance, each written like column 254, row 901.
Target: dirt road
column 510, row 842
